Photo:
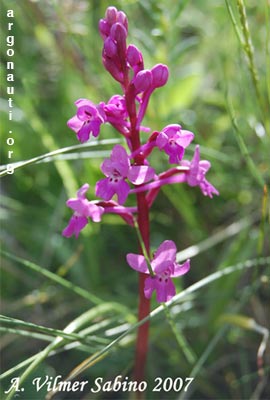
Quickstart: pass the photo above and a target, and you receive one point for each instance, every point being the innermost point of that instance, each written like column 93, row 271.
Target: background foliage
column 212, row 92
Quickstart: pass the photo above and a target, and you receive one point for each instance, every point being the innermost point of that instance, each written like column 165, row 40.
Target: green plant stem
column 249, row 50
column 243, row 148
column 265, row 210
column 244, row 38
column 248, row 47
column 144, row 251
column 180, row 338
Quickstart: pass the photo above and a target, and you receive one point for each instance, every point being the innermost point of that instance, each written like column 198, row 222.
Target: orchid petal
column 82, row 191
column 165, row 290
column 86, row 112
column 139, row 174
column 162, row 140
column 120, row 159
column 74, row 123
column 137, row 262
column 181, row 269
column 185, row 138
column 107, row 167
column 95, row 212
column 205, row 165
column 165, row 252
column 122, row 190
column 104, row 189
column 83, row 133
column 149, row 286
column 162, row 267
column 75, row 225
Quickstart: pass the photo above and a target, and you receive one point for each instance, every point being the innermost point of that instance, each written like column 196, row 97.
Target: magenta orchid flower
column 116, row 108
column 116, row 113
column 88, row 119
column 173, row 140
column 117, row 169
column 196, row 174
column 82, row 210
column 164, row 267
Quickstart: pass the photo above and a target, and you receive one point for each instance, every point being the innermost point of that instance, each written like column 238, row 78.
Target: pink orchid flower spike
column 82, row 210
column 118, row 168
column 164, row 267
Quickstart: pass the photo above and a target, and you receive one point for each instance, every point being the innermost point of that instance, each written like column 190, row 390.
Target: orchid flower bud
column 160, row 74
column 134, row 56
column 104, row 28
column 122, row 19
column 112, row 68
column 111, row 15
column 143, row 80
column 110, row 47
column 118, row 33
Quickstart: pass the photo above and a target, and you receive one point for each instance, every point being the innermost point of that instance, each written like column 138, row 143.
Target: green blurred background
column 210, row 92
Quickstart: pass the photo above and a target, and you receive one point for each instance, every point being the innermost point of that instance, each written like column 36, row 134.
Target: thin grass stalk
column 180, row 338
column 249, row 50
column 245, row 40
column 264, row 212
column 42, row 329
column 56, row 278
column 243, row 148
column 267, row 46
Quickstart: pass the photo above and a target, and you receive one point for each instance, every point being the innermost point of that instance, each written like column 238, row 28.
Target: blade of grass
column 56, row 278
column 225, row 233
column 249, row 49
column 52, row 155
column 22, row 332
column 180, row 338
column 74, row 345
column 263, row 224
column 245, row 40
column 234, row 22
column 267, row 46
column 43, row 329
column 243, row 148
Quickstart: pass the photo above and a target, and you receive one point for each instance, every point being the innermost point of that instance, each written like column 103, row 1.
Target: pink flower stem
column 143, row 223
column 144, row 304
